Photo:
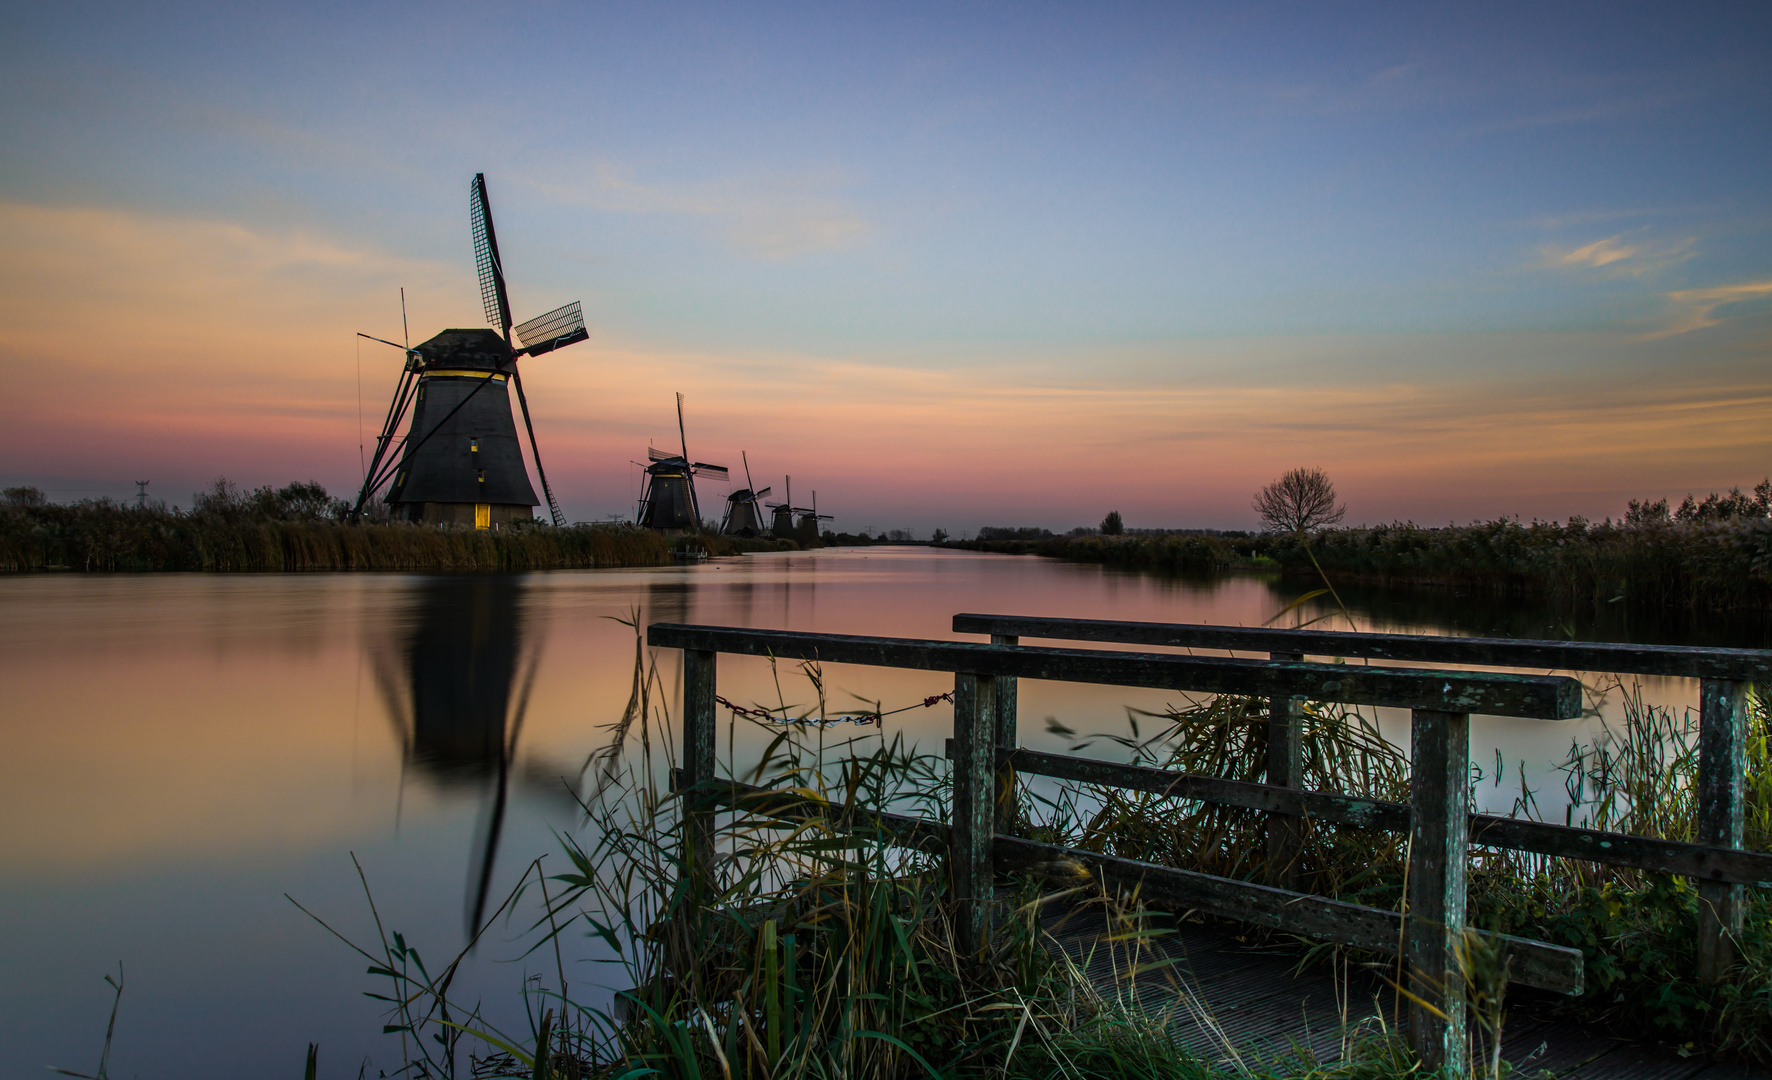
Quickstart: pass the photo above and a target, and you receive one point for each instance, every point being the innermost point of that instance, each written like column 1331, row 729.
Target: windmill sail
column 545, row 333
column 486, row 260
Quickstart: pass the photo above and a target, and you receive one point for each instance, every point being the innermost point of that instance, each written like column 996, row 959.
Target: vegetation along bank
column 300, row 528
column 1713, row 554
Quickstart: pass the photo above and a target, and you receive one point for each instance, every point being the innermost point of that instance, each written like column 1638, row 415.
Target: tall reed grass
column 104, row 536
column 1703, row 565
column 1176, row 554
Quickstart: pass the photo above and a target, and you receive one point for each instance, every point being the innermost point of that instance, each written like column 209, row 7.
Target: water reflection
column 457, row 689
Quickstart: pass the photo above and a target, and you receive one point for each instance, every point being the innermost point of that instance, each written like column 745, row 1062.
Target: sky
column 948, row 265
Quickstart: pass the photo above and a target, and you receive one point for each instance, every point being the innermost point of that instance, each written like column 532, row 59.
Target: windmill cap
column 472, row 350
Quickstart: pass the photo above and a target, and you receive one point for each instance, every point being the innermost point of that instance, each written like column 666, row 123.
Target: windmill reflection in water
column 456, row 685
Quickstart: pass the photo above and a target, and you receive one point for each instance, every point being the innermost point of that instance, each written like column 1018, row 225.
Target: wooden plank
column 974, row 808
column 1722, row 815
column 698, row 758
column 1750, row 665
column 1439, row 774
column 1533, row 963
column 1285, row 769
column 1705, row 862
column 1008, row 709
column 1535, row 696
column 1321, row 806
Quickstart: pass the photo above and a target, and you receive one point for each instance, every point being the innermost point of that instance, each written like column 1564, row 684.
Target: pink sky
column 172, row 350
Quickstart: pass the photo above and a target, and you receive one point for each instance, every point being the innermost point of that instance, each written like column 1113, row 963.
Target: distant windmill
column 670, row 502
column 744, row 513
column 781, row 522
column 809, row 519
column 460, row 460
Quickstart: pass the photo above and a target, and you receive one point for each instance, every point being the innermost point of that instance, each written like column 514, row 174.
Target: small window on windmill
column 474, row 444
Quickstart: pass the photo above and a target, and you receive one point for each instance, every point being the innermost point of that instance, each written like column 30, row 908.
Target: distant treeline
column 299, row 527
column 1183, row 552
column 1710, row 554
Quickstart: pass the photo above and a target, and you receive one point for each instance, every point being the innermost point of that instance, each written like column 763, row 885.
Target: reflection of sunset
column 197, row 718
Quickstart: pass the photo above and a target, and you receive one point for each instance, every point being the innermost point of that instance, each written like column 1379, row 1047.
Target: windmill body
column 670, row 504
column 744, row 508
column 670, row 497
column 743, row 517
column 782, row 521
column 470, row 470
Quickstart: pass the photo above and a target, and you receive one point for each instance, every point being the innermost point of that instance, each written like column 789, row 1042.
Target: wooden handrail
column 1706, row 862
column 1742, row 665
column 1540, row 697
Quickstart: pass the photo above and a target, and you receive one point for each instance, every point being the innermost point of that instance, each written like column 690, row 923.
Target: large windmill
column 669, row 503
column 744, row 511
column 460, row 460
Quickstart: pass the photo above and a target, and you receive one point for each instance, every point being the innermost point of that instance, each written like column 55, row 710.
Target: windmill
column 669, row 503
column 809, row 519
column 781, row 521
column 460, row 460
column 744, row 513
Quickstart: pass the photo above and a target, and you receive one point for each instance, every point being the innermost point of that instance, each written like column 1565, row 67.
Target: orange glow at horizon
column 194, row 349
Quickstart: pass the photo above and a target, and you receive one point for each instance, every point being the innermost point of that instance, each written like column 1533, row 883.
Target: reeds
column 1716, row 565
column 103, row 536
column 1176, row 554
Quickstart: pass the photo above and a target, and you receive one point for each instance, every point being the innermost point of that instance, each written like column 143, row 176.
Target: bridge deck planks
column 1227, row 997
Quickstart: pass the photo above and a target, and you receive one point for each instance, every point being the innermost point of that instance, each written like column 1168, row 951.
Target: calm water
column 182, row 751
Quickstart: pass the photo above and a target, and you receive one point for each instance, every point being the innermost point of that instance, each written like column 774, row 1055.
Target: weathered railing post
column 1439, row 834
column 1285, row 768
column 698, row 762
column 1007, row 808
column 969, row 854
column 1722, row 771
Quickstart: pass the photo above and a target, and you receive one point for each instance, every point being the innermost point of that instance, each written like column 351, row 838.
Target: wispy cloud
column 772, row 219
column 1599, row 253
column 1614, row 256
column 1695, row 309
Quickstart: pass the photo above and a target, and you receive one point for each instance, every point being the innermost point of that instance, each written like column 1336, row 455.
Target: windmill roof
column 473, row 350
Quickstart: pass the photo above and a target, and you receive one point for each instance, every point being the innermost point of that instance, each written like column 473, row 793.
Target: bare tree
column 1299, row 501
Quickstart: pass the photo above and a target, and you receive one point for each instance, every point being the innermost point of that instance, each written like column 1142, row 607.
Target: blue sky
column 1371, row 211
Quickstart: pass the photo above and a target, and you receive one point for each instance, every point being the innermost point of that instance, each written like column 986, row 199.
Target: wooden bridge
column 986, row 754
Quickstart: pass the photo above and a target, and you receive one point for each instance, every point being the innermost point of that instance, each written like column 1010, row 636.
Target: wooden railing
column 985, row 756
column 1726, row 678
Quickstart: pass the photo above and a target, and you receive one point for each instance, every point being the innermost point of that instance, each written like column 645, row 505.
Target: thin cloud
column 1599, row 253
column 1696, row 309
column 772, row 219
column 1614, row 257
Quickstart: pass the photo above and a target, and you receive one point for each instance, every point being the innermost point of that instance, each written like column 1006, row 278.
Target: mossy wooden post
column 1007, row 809
column 698, row 762
column 969, row 854
column 1722, row 777
column 1285, row 768
column 1439, row 834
